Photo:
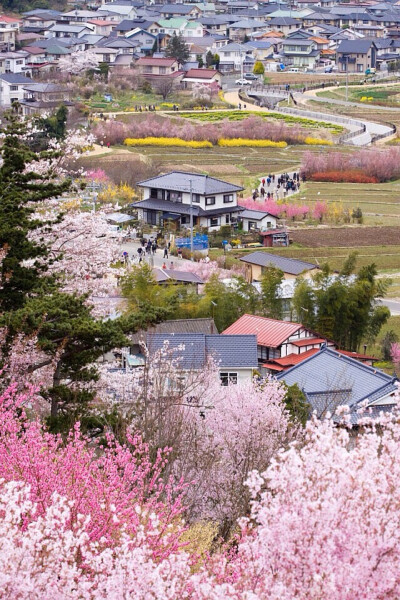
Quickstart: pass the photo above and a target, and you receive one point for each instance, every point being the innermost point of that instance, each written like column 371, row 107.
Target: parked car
column 328, row 69
column 294, row 70
column 242, row 82
column 251, row 77
column 370, row 71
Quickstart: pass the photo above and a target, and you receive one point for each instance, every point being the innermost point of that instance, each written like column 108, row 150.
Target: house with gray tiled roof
column 12, row 88
column 234, row 355
column 257, row 262
column 176, row 195
column 356, row 56
column 329, row 379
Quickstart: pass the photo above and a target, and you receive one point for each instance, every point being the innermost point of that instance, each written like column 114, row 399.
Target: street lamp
column 191, row 220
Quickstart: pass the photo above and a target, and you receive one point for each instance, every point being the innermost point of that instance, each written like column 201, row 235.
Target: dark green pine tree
column 22, row 274
column 31, row 301
column 178, row 49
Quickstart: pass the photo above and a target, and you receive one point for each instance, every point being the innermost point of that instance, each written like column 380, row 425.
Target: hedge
column 235, row 142
column 166, row 141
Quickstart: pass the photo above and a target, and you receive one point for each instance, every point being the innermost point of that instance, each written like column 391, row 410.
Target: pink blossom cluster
column 118, row 488
column 82, row 251
column 206, row 269
column 384, row 165
column 83, row 523
column 278, row 209
column 252, row 127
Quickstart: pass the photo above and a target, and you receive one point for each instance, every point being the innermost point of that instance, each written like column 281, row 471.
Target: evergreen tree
column 20, row 191
column 209, row 59
column 258, row 68
column 30, row 300
column 178, row 49
column 270, row 293
column 55, row 126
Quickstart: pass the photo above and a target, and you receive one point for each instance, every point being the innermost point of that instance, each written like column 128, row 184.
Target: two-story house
column 300, row 53
column 12, row 88
column 154, row 67
column 14, row 62
column 176, row 195
column 356, row 56
column 44, row 98
column 276, row 339
column 68, row 31
column 232, row 57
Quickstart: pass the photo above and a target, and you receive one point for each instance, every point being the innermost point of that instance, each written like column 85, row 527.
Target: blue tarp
column 200, row 242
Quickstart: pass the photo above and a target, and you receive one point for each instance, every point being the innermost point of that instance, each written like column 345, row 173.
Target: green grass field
column 373, row 94
column 386, row 258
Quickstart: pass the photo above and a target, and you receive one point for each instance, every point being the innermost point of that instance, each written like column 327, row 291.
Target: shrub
column 166, row 141
column 347, row 176
column 310, row 141
column 380, row 165
column 250, row 143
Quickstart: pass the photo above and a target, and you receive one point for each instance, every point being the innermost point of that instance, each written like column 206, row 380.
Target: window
column 163, row 70
column 214, row 222
column 174, row 196
column 359, row 68
column 269, row 224
column 228, row 378
column 227, row 219
column 148, row 69
column 228, row 198
column 20, row 62
column 13, row 88
column 210, row 200
column 196, row 198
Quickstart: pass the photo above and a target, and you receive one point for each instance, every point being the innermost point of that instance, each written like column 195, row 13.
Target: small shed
column 274, row 237
column 118, row 218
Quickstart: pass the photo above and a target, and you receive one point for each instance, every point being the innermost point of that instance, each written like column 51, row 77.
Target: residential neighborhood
column 200, row 300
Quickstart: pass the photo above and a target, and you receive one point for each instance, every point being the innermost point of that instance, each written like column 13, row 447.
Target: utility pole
column 191, row 219
column 241, row 63
column 347, row 78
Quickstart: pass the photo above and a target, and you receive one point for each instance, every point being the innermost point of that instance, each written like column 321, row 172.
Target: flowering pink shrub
column 395, row 353
column 254, row 128
column 117, row 486
column 97, row 175
column 320, row 209
column 378, row 165
column 325, row 519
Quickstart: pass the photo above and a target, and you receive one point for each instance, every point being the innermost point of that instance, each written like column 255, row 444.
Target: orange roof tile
column 308, row 342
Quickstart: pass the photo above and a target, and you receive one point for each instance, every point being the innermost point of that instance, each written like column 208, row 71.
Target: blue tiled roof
column 228, row 351
column 329, row 372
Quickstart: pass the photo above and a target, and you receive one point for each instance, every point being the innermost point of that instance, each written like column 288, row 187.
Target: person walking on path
column 165, row 255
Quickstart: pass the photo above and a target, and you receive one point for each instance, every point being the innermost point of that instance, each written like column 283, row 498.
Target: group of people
column 282, row 184
column 145, row 108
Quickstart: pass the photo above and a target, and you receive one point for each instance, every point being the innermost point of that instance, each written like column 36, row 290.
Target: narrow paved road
column 371, row 127
column 364, row 139
column 393, row 306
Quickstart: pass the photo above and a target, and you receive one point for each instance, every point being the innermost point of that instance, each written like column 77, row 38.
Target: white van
column 294, row 70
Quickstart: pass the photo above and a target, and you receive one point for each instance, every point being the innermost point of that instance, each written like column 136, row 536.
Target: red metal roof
column 273, row 367
column 6, row 19
column 308, row 342
column 358, row 355
column 269, row 332
column 281, row 364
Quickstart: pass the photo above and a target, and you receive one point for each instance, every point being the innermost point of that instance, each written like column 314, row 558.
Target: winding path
column 364, row 139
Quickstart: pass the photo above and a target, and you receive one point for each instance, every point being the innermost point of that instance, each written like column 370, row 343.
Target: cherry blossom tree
column 78, row 62
column 82, row 251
